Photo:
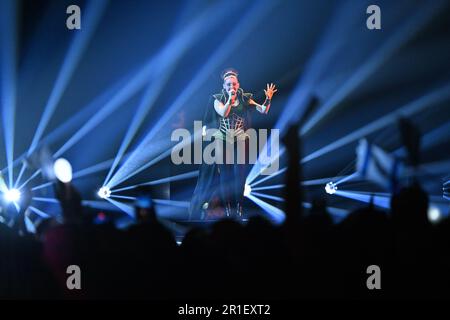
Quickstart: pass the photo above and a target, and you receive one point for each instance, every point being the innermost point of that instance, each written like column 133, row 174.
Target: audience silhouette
column 307, row 256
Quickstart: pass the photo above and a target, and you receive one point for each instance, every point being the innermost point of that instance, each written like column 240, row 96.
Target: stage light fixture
column 104, row 192
column 12, row 195
column 63, row 170
column 331, row 188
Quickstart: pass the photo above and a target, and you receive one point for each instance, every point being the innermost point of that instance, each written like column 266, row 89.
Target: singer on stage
column 230, row 115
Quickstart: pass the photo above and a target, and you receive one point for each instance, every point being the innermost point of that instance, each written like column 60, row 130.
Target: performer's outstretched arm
column 264, row 108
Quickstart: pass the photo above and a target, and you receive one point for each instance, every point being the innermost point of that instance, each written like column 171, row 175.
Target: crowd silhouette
column 308, row 256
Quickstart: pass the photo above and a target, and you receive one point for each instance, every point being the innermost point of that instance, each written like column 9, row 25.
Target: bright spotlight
column 331, row 188
column 247, row 190
column 12, row 195
column 104, row 192
column 434, row 214
column 63, row 170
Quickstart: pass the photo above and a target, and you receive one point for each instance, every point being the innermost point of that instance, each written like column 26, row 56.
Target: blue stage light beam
column 301, row 94
column 389, row 47
column 100, row 205
column 446, row 187
column 320, row 58
column 75, row 121
column 8, row 36
column 143, row 76
column 118, row 99
column 314, row 68
column 331, row 188
column 48, row 200
column 190, row 8
column 42, row 186
column 249, row 178
column 347, row 178
column 122, row 197
column 275, row 214
column 380, row 201
column 82, row 173
column 433, row 198
column 430, row 139
column 433, row 98
column 320, row 181
column 93, row 169
column 163, row 155
column 12, row 195
column 34, row 175
column 3, row 186
column 240, row 31
column 40, row 213
column 129, row 210
column 16, row 205
column 173, row 203
column 437, row 96
column 436, row 211
column 303, row 183
column 337, row 213
column 116, row 180
column 259, row 167
column 267, row 196
column 144, row 107
column 80, row 42
column 167, row 62
column 275, row 186
column 183, row 176
column 433, row 168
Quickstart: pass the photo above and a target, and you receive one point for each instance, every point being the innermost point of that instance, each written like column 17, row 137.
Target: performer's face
column 231, row 84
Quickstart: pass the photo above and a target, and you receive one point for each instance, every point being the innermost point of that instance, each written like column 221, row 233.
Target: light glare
column 12, row 195
column 331, row 188
column 104, row 192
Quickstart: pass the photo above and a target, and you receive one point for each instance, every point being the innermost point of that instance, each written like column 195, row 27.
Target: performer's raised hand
column 271, row 89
